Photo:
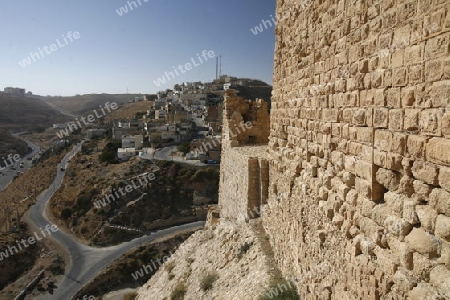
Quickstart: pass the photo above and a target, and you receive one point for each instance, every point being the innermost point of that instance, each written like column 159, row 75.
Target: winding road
column 85, row 262
column 7, row 174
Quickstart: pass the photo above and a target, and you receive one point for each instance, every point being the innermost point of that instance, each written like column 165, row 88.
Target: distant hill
column 255, row 89
column 85, row 104
column 250, row 89
column 23, row 113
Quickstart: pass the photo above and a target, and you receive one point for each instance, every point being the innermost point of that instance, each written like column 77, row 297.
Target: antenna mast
column 217, row 68
column 220, row 66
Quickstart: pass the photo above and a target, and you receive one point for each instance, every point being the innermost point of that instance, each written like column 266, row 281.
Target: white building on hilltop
column 15, row 91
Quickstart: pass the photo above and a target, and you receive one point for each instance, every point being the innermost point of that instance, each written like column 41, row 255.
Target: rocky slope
column 165, row 201
column 22, row 113
column 227, row 261
column 22, row 192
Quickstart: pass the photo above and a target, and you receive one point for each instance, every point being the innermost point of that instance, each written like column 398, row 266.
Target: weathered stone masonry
column 359, row 148
column 244, row 176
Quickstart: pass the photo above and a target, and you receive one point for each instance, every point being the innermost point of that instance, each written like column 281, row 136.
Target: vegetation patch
column 179, row 292
column 281, row 290
column 169, row 266
column 244, row 249
column 208, row 280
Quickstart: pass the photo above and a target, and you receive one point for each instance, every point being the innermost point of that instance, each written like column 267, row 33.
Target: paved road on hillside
column 8, row 174
column 86, row 262
column 166, row 154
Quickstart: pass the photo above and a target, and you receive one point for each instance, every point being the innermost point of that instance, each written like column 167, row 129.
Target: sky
column 90, row 48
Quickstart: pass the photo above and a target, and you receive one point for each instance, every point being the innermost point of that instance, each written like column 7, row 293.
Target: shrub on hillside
column 208, row 281
column 179, row 292
column 281, row 290
column 66, row 213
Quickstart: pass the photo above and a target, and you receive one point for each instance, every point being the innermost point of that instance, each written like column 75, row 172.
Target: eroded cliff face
column 234, row 258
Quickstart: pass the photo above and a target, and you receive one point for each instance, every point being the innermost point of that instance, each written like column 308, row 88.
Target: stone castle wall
column 244, row 168
column 359, row 193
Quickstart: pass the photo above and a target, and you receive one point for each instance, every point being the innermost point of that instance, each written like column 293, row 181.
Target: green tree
column 184, row 147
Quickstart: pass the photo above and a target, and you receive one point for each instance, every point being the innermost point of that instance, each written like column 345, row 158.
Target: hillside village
column 171, row 118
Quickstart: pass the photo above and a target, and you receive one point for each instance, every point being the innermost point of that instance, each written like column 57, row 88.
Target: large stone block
column 430, row 121
column 444, row 177
column 370, row 229
column 445, row 123
column 437, row 150
column 380, row 213
column 380, row 97
column 426, row 172
column 422, row 266
column 393, row 99
column 443, row 227
column 434, row 70
column 396, row 117
column 395, row 202
column 403, row 281
column 409, row 211
column 437, row 46
column 440, row 93
column 440, row 278
column 427, row 217
column 445, row 254
column 440, row 200
column 398, row 143
column 397, row 226
column 413, row 54
column 415, row 145
column 389, row 179
column 394, row 162
column 380, row 117
column 360, row 117
column 363, row 187
column 365, row 134
column 347, row 115
column 397, row 59
column 383, row 140
column 411, row 122
column 379, row 158
column 400, row 76
column 364, row 170
column 330, row 115
column 423, row 242
column 415, row 74
column 424, row 291
column 408, row 97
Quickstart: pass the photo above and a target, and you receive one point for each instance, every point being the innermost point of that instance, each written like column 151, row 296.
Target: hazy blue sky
column 115, row 52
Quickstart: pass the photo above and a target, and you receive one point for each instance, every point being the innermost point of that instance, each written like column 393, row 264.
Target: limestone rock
column 423, row 242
